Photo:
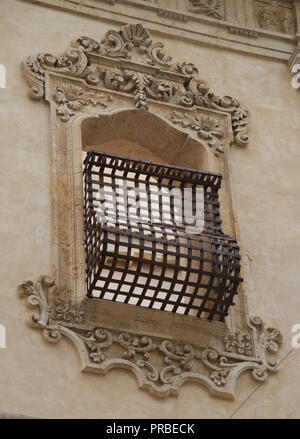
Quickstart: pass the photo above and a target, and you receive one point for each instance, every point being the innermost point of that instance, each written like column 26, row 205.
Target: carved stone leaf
column 206, row 127
column 71, row 98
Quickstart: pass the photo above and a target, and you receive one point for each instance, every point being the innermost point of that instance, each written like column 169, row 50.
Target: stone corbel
column 160, row 365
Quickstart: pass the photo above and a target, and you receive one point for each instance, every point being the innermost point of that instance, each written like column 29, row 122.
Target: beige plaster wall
column 43, row 380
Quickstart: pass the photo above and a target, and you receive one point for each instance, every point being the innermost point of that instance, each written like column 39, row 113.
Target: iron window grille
column 153, row 258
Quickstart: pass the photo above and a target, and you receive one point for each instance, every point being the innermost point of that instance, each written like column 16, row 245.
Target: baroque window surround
column 129, row 75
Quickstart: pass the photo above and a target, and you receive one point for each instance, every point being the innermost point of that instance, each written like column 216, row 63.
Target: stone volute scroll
column 129, row 82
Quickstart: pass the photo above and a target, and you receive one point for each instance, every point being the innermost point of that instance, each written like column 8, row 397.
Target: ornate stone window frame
column 129, row 74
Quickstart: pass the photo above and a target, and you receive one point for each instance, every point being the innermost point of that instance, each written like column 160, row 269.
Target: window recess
column 153, row 237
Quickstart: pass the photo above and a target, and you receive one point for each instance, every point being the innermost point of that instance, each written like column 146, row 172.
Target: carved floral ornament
column 130, row 63
column 71, row 98
column 161, row 366
column 206, row 127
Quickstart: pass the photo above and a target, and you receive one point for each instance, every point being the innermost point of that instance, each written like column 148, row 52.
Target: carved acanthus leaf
column 207, row 128
column 161, row 366
column 71, row 98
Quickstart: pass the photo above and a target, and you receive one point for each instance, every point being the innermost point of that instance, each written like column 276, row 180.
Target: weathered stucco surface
column 42, row 380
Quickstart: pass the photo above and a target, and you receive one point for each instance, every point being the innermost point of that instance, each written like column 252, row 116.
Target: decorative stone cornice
column 129, row 62
column 237, row 30
column 270, row 24
column 161, row 366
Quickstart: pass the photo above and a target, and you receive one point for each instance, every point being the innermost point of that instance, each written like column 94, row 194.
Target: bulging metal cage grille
column 153, row 237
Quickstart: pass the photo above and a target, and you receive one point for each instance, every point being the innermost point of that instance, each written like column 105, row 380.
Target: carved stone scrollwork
column 141, row 84
column 241, row 343
column 135, row 345
column 129, row 62
column 198, row 93
column 67, row 312
column 160, row 366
